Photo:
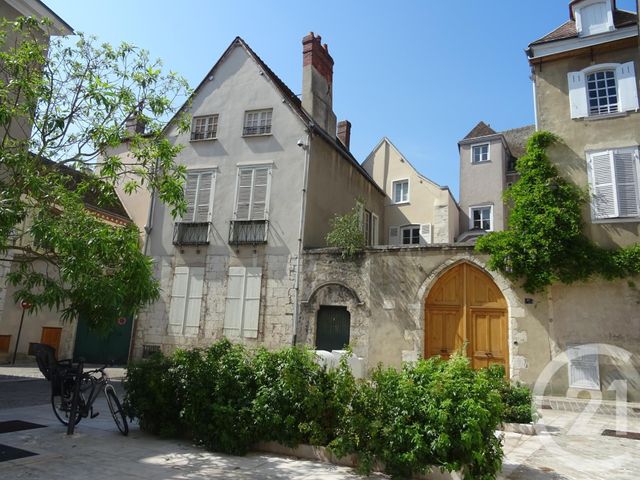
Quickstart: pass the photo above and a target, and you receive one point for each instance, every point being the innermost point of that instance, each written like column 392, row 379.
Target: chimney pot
column 344, row 132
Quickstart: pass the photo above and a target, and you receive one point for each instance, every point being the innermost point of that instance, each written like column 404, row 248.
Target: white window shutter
column 626, row 176
column 584, row 370
column 190, row 194
column 243, row 202
column 194, row 297
column 234, row 303
column 259, row 197
column 577, row 95
column 394, row 236
column 627, row 87
column 603, row 193
column 252, row 302
column 425, row 234
column 203, row 203
column 179, row 296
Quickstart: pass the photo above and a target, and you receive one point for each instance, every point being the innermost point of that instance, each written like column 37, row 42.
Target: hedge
column 433, row 413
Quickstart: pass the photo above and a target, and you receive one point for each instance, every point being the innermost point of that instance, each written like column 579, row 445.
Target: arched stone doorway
column 465, row 305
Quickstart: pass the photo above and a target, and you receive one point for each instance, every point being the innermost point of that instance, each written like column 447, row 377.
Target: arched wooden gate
column 465, row 305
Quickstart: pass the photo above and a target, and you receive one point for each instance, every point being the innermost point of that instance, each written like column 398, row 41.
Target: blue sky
column 422, row 73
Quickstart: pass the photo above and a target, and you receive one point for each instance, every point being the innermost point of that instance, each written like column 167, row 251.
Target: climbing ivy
column 544, row 242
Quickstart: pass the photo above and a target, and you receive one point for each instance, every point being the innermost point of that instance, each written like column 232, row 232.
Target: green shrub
column 219, row 387
column 516, row 398
column 435, row 413
column 292, row 401
column 346, row 233
column 153, row 395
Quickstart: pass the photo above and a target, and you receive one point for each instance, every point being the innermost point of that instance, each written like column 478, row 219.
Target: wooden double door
column 465, row 307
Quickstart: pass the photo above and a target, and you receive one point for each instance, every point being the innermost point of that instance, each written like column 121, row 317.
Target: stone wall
column 384, row 290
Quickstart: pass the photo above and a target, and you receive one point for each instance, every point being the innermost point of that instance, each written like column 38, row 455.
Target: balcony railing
column 242, row 232
column 191, row 233
column 256, row 130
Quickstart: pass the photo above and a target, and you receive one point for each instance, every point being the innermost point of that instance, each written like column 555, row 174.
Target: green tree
column 545, row 242
column 63, row 109
column 346, row 232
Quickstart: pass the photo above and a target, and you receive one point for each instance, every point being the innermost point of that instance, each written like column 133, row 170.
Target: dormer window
column 593, row 16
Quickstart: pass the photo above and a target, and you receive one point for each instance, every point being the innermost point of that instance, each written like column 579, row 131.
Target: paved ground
column 571, row 447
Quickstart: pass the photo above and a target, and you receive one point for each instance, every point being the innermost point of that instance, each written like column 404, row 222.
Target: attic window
column 257, row 122
column 204, row 128
column 593, row 16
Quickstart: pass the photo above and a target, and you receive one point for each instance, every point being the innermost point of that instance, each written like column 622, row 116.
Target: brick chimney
column 317, row 82
column 344, row 132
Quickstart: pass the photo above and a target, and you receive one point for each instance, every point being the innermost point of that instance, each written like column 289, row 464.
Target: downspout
column 535, row 98
column 145, row 247
column 296, row 305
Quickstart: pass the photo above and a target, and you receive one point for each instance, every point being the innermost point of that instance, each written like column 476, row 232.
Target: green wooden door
column 96, row 348
column 333, row 325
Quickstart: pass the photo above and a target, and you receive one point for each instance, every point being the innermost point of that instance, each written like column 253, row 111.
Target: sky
column 422, row 73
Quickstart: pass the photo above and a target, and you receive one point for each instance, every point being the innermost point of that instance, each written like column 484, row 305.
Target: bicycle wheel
column 61, row 404
column 116, row 410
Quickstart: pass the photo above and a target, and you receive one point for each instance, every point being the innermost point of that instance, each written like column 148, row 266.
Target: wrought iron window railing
column 248, row 232
column 256, row 130
column 191, row 233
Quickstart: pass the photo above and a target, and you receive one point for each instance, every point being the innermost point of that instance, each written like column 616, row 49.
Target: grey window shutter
column 203, row 202
column 577, row 95
column 253, row 283
column 627, row 87
column 394, row 236
column 259, row 196
column 194, row 297
column 425, row 234
column 179, row 296
column 235, row 300
column 190, row 194
column 603, row 194
column 626, row 182
column 243, row 204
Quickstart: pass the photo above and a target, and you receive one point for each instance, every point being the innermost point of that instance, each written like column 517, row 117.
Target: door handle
column 489, row 354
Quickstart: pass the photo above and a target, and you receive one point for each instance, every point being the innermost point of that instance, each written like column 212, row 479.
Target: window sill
column 401, row 203
column 256, row 135
column 605, row 116
column 196, row 140
column 602, row 221
column 480, row 162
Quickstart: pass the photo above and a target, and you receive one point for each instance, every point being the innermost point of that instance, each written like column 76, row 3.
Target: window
column 253, row 193
column 193, row 228
column 374, row 229
column 366, row 226
column 257, row 122
column 614, row 183
column 584, row 369
column 603, row 89
column 401, row 191
column 243, row 302
column 186, row 301
column 480, row 153
column 481, row 217
column 204, row 128
column 410, row 235
column 593, row 16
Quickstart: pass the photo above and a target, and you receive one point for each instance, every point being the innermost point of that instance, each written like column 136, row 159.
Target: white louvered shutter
column 425, row 234
column 260, row 191
column 253, row 281
column 627, row 87
column 577, row 95
column 603, row 194
column 179, row 296
column 203, row 202
column 243, row 204
column 626, row 176
column 233, row 309
column 584, row 370
column 394, row 236
column 190, row 194
column 194, row 298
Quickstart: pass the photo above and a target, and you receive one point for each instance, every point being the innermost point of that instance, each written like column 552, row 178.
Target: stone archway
column 466, row 307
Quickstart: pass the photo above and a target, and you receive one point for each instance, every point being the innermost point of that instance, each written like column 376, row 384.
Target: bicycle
column 92, row 382
column 69, row 381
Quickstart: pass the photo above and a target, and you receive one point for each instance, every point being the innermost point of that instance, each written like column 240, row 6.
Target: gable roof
column 621, row 18
column 291, row 99
column 517, row 138
column 480, row 130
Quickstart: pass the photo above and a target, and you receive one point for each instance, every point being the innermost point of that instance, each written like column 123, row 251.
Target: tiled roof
column 516, row 139
column 621, row 18
column 480, row 130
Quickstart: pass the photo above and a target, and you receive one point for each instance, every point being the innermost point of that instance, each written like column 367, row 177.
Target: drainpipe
column 296, row 305
column 145, row 247
column 535, row 99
